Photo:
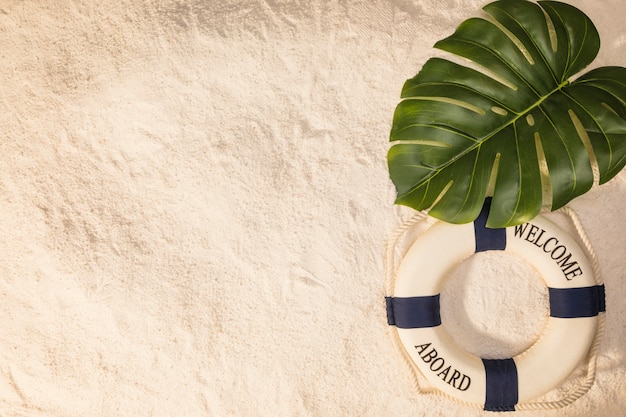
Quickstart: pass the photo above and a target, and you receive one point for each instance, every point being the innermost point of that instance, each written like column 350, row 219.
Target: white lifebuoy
column 576, row 301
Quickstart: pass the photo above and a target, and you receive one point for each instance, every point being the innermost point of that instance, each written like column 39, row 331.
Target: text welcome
column 551, row 246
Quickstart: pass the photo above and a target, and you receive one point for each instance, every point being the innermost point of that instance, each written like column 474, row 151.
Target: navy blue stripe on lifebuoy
column 413, row 312
column 488, row 239
column 570, row 303
column 502, row 384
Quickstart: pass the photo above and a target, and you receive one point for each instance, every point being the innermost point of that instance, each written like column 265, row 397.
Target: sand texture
column 194, row 200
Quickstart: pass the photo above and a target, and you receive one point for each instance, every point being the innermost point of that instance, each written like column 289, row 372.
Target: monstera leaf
column 516, row 127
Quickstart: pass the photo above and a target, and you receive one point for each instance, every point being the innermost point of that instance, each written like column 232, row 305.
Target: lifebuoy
column 575, row 299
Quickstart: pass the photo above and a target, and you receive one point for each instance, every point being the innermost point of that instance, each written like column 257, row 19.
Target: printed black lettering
column 545, row 245
column 573, row 273
column 564, row 265
column 421, row 348
column 520, row 229
column 465, row 380
column 444, row 374
column 437, row 364
column 562, row 252
column 454, row 378
column 430, row 356
column 536, row 241
column 550, row 245
column 434, row 367
column 531, row 233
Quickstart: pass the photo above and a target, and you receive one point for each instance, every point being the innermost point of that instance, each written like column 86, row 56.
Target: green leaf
column 518, row 126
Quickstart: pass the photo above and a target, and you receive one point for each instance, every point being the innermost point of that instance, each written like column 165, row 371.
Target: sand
column 194, row 201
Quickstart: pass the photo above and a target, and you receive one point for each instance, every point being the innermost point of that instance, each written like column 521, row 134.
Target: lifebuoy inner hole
column 494, row 305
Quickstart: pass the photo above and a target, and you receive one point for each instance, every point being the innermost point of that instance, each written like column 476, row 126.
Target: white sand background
column 194, row 200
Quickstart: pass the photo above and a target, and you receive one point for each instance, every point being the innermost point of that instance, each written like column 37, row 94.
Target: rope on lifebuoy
column 583, row 387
